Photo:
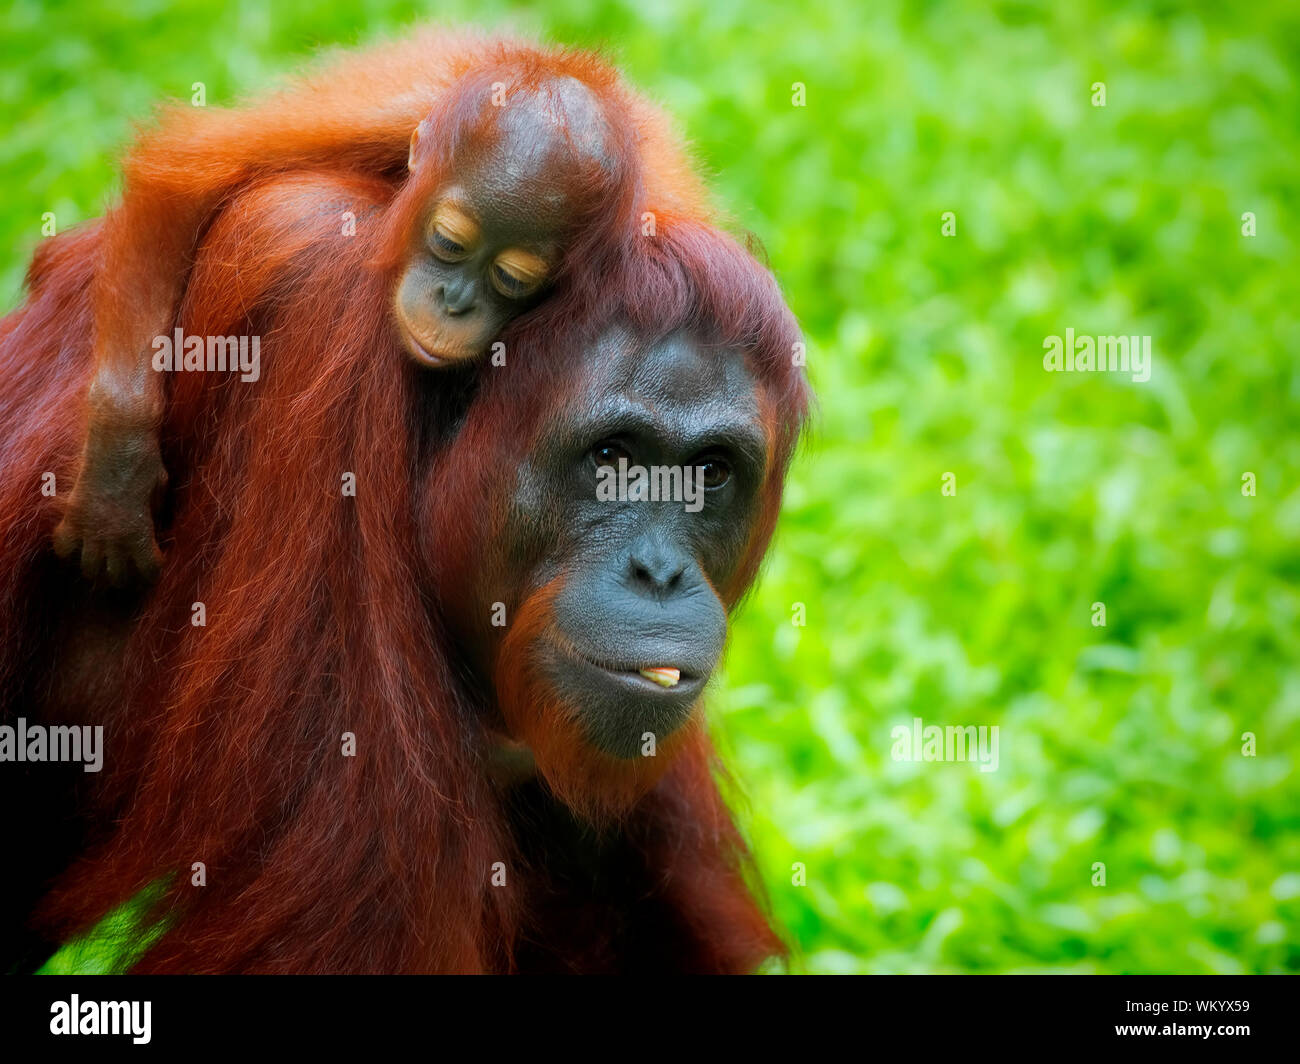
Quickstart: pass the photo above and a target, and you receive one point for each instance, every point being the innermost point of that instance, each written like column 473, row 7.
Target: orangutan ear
column 411, row 163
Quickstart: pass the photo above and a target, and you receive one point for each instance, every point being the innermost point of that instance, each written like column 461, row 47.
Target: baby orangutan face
column 495, row 230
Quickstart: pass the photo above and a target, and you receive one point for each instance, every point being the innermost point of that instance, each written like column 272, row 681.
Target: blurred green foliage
column 1119, row 744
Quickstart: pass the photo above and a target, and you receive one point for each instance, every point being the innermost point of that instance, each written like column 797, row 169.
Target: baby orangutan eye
column 518, row 274
column 446, row 248
column 452, row 234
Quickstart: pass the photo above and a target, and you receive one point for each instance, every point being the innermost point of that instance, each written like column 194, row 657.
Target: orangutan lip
column 636, row 679
column 424, row 352
column 633, row 676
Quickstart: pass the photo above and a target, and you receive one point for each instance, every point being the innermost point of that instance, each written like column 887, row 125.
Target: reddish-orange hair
column 324, row 617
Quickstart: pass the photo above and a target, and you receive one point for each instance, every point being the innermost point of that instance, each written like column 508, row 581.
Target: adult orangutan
column 309, row 704
column 521, row 172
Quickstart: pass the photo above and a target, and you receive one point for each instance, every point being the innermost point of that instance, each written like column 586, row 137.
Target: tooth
column 662, row 675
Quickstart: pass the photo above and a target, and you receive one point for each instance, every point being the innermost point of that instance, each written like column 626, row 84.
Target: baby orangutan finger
column 92, row 558
column 66, row 540
column 116, row 566
column 148, row 560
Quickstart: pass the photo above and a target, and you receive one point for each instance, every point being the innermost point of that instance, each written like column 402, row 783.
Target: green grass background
column 1119, row 744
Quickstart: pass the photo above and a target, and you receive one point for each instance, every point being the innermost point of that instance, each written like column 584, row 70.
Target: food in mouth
column 663, row 675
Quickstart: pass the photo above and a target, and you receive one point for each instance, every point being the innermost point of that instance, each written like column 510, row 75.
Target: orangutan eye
column 453, row 233
column 517, row 274
column 446, row 248
column 714, row 472
column 507, row 284
column 608, row 453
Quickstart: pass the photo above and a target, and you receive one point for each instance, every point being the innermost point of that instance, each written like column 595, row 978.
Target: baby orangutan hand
column 109, row 515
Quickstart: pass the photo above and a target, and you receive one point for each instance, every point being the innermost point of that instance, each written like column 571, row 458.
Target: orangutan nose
column 458, row 296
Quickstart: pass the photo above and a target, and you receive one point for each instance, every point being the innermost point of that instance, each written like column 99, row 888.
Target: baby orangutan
column 496, row 231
